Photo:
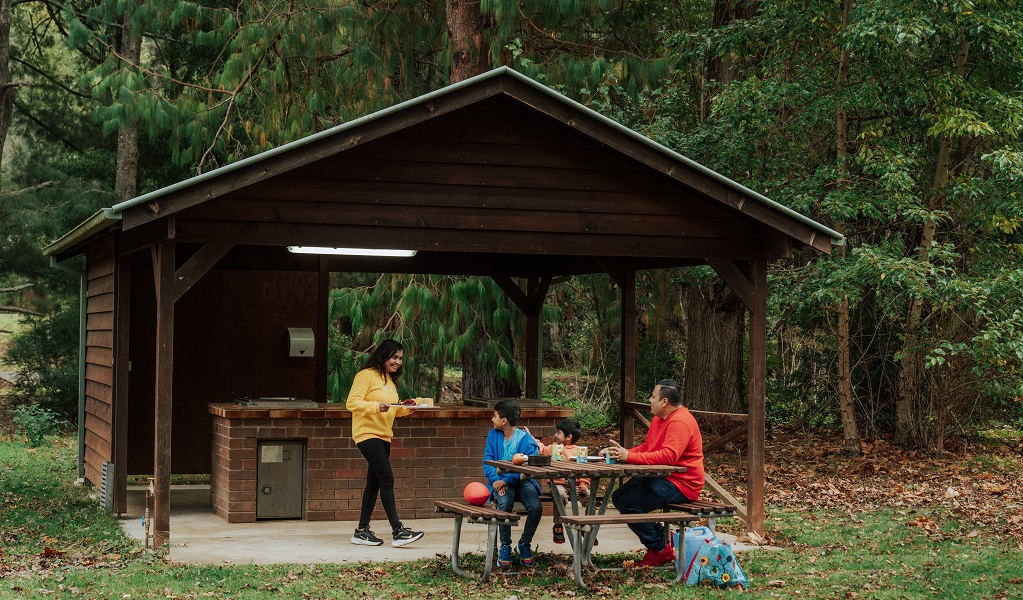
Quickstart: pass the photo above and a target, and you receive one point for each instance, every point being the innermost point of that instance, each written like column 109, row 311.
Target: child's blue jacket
column 522, row 442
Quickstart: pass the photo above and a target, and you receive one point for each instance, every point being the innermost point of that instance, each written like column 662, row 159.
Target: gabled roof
column 502, row 81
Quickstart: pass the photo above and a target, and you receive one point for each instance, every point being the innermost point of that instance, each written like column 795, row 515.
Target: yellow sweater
column 369, row 389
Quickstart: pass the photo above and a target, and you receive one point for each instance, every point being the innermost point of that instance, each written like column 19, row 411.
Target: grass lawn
column 56, row 543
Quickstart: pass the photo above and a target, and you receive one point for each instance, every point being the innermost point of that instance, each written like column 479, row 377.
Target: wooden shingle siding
column 99, row 357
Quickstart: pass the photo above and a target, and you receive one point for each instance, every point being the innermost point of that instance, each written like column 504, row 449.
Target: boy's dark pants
column 524, row 492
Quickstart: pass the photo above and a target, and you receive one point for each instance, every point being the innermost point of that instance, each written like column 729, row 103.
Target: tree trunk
column 126, row 182
column 7, row 87
column 715, row 319
column 722, row 69
column 847, row 406
column 465, row 36
column 912, row 366
column 478, row 380
column 440, row 378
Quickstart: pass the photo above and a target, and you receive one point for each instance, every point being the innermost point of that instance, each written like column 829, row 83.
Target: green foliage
column 35, row 422
column 435, row 318
column 773, row 129
column 47, row 358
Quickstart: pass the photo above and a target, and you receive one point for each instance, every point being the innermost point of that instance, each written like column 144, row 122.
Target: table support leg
column 492, row 534
column 454, row 550
column 492, row 529
column 577, row 555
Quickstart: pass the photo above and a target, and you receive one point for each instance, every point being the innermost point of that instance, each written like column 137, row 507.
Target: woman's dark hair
column 378, row 360
column 571, row 428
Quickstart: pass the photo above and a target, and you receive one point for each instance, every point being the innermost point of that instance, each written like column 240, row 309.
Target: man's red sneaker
column 655, row 558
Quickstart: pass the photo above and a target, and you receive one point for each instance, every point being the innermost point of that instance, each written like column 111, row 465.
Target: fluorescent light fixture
column 351, row 251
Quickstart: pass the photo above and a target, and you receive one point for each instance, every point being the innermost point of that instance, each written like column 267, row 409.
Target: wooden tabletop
column 591, row 470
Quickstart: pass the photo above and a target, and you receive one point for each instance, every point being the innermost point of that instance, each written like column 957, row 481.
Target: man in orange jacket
column 673, row 439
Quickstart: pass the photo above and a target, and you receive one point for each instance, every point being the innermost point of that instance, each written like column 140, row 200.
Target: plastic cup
column 558, row 453
column 582, row 454
column 610, row 459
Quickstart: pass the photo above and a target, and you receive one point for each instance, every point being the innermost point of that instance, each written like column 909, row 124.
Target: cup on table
column 558, row 453
column 582, row 454
column 610, row 459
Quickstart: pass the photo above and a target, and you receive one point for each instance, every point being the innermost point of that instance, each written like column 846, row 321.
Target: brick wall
column 434, row 454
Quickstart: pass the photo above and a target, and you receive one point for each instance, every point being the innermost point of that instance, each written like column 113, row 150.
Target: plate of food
column 416, row 403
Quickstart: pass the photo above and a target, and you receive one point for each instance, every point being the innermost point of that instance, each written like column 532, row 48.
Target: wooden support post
column 628, row 365
column 163, row 271
column 536, row 292
column 534, row 388
column 122, row 347
column 171, row 285
column 322, row 329
column 757, row 397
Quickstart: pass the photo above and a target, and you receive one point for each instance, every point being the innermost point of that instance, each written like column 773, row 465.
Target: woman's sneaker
column 404, row 535
column 365, row 537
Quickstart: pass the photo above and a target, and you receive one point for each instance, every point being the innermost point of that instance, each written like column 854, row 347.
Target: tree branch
column 34, row 188
column 20, row 311
column 16, row 288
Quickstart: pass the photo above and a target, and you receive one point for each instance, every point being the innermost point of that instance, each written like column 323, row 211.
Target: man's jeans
column 525, row 493
column 642, row 495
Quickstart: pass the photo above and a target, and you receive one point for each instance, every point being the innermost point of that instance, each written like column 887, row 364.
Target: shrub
column 46, row 355
column 35, row 422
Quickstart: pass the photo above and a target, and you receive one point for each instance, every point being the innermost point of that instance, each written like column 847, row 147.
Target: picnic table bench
column 491, row 517
column 581, row 525
column 703, row 509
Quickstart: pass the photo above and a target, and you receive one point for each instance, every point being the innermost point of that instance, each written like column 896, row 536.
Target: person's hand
column 384, row 407
column 617, row 452
column 526, row 429
column 500, row 487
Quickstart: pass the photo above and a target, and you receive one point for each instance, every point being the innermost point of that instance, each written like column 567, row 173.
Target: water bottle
column 694, row 537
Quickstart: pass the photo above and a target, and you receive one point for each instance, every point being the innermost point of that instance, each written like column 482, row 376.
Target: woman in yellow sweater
column 374, row 391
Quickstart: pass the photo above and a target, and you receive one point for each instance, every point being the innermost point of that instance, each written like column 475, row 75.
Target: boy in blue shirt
column 503, row 442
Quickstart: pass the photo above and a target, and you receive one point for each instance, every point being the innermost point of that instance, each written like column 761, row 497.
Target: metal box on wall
column 280, row 479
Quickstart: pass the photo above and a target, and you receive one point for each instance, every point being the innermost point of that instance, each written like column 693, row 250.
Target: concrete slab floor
column 200, row 537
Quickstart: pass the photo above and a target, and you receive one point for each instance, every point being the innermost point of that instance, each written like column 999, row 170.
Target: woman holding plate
column 373, row 393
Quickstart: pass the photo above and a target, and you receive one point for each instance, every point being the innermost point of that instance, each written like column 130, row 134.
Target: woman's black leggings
column 379, row 480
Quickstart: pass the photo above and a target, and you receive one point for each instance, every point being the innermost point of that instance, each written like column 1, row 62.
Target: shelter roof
column 561, row 165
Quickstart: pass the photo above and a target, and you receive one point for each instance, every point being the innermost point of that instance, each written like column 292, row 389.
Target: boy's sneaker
column 365, row 537
column 525, row 555
column 403, row 535
column 504, row 557
column 559, row 534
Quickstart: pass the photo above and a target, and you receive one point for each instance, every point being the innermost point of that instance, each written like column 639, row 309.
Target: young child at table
column 503, row 442
column 568, row 433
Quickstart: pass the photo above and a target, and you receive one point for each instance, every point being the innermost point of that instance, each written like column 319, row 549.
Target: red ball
column 476, row 493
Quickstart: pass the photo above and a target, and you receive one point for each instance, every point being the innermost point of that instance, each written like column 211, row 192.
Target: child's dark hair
column 508, row 409
column 378, row 360
column 571, row 428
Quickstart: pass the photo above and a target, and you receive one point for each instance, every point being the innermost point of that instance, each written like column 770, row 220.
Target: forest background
column 897, row 123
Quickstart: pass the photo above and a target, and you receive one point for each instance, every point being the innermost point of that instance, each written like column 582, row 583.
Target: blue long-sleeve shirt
column 496, row 450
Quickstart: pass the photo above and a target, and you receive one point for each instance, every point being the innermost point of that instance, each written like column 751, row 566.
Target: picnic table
column 586, row 520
